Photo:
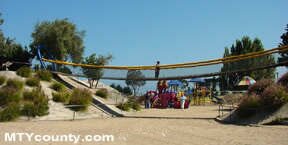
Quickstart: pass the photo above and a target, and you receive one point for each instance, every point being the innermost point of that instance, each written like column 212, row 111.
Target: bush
column 233, row 98
column 44, row 75
column 9, row 94
column 260, row 86
column 124, row 106
column 103, row 93
column 249, row 106
column 10, row 112
column 24, row 72
column 274, row 96
column 283, row 80
column 2, row 80
column 14, row 83
column 81, row 97
column 28, row 109
column 134, row 104
column 63, row 97
column 33, row 82
column 40, row 101
column 131, row 103
column 57, row 87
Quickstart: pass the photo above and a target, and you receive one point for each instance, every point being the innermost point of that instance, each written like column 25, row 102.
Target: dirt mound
column 260, row 118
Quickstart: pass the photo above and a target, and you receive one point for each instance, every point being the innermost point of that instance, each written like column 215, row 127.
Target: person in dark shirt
column 157, row 69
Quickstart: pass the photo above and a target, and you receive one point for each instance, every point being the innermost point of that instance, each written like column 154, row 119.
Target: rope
column 184, row 77
column 180, row 65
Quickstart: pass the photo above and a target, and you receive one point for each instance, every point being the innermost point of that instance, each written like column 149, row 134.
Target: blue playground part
column 39, row 56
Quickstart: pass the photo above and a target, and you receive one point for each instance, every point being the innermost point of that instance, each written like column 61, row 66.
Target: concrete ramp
column 97, row 102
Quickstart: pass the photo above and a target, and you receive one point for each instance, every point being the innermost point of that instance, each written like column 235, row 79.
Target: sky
column 140, row 32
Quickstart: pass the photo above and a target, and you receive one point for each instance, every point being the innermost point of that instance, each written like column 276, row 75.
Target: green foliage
column 14, row 83
column 283, row 80
column 33, row 82
column 249, row 106
column 9, row 94
column 60, row 40
column 81, row 97
column 40, row 101
column 133, row 80
column 284, row 38
column 124, row 106
column 57, row 86
column 275, row 96
column 2, row 80
column 130, row 104
column 260, row 86
column 29, row 109
column 96, row 73
column 136, row 106
column 244, row 46
column 44, row 75
column 125, row 90
column 63, row 96
column 103, row 93
column 10, row 112
column 263, row 95
column 12, row 51
column 24, row 71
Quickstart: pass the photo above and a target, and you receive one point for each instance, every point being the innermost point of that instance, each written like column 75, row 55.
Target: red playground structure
column 166, row 100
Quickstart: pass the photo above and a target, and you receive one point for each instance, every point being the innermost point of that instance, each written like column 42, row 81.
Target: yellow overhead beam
column 179, row 65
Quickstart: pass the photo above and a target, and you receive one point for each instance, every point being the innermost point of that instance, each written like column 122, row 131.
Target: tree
column 284, row 37
column 59, row 40
column 13, row 52
column 243, row 46
column 133, row 80
column 94, row 74
column 127, row 91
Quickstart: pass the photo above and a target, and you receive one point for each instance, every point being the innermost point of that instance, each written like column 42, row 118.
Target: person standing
column 157, row 69
column 147, row 100
column 182, row 101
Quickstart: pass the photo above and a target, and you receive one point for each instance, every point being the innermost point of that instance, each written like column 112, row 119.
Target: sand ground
column 154, row 127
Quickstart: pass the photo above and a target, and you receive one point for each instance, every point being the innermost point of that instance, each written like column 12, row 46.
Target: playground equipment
column 177, row 71
column 167, row 100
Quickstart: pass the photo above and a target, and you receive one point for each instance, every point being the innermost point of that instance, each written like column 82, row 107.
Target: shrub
column 10, row 112
column 29, row 109
column 124, row 106
column 44, row 75
column 283, row 80
column 274, row 95
column 63, row 97
column 14, row 83
column 57, row 86
column 29, row 95
column 9, row 94
column 2, row 80
column 33, row 82
column 39, row 100
column 81, row 97
column 103, row 93
column 260, row 86
column 24, row 72
column 131, row 103
column 249, row 106
column 233, row 98
column 134, row 104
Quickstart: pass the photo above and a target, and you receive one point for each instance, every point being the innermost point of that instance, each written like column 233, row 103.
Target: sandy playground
column 156, row 126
